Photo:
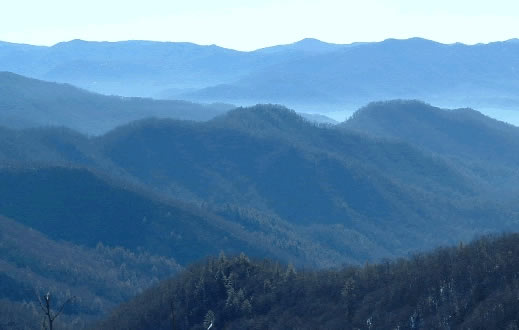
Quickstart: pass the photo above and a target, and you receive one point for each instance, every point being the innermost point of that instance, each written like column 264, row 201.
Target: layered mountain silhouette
column 416, row 68
column 308, row 75
column 263, row 168
column 26, row 102
column 103, row 196
column 397, row 178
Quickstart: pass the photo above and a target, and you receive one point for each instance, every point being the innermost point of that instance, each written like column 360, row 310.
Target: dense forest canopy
column 482, row 147
column 111, row 215
column 246, row 167
column 472, row 286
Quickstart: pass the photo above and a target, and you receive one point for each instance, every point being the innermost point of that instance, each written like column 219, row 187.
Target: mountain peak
column 310, row 41
column 308, row 45
column 457, row 133
column 262, row 117
column 391, row 107
column 415, row 41
column 73, row 42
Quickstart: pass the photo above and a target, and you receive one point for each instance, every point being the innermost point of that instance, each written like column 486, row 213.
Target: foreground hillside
column 471, row 286
column 26, row 102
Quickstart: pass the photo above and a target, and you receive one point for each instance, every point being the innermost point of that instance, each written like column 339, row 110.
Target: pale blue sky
column 251, row 24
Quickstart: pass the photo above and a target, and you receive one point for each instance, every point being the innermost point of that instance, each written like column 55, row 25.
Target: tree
column 49, row 317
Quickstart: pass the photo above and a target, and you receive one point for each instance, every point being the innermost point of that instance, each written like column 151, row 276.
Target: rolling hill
column 482, row 145
column 273, row 177
column 26, row 102
column 463, row 133
column 260, row 180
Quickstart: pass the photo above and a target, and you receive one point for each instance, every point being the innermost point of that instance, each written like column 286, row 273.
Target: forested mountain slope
column 486, row 148
column 463, row 133
column 471, row 286
column 259, row 180
column 26, row 102
column 267, row 170
column 99, row 277
column 77, row 206
column 77, row 234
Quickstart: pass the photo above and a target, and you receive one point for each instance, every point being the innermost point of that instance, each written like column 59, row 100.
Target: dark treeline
column 465, row 287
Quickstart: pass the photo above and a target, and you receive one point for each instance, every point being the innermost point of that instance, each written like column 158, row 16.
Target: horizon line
column 257, row 49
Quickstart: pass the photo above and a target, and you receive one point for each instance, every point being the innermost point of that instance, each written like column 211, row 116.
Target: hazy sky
column 251, row 24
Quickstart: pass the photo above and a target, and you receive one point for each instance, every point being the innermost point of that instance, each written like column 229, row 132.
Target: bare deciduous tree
column 49, row 317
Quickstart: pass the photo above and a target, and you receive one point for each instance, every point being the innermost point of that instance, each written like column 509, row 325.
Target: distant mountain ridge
column 26, row 102
column 415, row 68
column 308, row 45
column 31, row 103
column 305, row 75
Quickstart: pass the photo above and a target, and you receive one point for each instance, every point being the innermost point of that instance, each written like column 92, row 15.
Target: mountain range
column 28, row 102
column 252, row 171
column 112, row 201
column 308, row 75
